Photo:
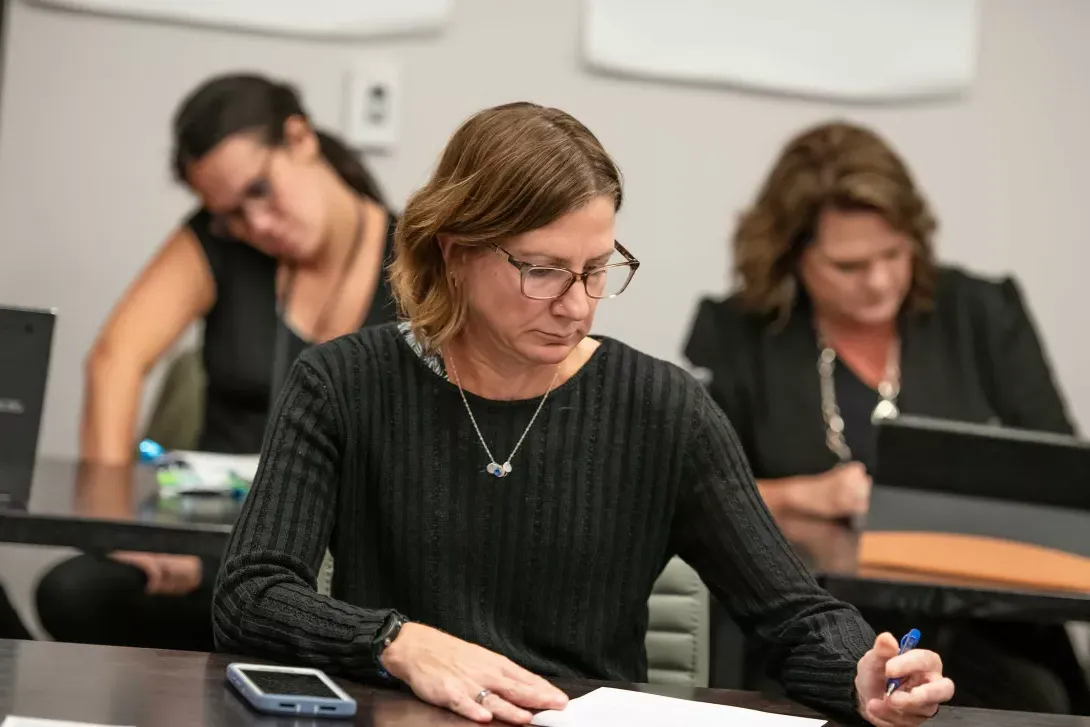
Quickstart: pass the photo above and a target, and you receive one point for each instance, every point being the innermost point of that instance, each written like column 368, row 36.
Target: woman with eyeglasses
column 286, row 249
column 500, row 489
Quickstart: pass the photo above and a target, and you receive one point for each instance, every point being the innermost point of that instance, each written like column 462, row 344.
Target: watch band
column 386, row 635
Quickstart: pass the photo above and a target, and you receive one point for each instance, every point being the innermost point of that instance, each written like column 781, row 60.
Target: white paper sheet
column 342, row 18
column 607, row 706
column 859, row 50
column 14, row 721
column 213, row 472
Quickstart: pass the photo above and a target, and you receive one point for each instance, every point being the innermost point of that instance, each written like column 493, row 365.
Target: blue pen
column 908, row 643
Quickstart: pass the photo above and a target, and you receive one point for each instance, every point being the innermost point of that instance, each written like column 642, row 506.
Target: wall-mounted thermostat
column 372, row 97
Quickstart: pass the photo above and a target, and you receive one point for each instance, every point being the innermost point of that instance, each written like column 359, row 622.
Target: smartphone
column 290, row 690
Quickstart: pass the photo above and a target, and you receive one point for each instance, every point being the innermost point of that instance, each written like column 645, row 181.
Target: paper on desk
column 14, row 721
column 607, row 706
column 213, row 472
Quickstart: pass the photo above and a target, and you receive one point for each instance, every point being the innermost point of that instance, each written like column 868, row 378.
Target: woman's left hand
column 923, row 687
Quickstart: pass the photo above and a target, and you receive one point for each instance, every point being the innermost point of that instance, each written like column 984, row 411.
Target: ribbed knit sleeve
column 265, row 601
column 724, row 530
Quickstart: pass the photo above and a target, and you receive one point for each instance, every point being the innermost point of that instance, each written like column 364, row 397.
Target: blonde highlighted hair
column 836, row 166
column 506, row 171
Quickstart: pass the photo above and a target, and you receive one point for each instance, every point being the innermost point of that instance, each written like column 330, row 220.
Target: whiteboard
column 327, row 18
column 859, row 50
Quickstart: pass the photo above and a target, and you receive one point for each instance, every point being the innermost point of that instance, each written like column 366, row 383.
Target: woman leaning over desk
column 843, row 315
column 512, row 484
column 287, row 248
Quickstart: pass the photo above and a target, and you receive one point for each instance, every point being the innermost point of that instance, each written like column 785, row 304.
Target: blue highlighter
column 908, row 643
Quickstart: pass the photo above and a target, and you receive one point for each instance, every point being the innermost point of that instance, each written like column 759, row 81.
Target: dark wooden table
column 831, row 551
column 101, row 508
column 148, row 688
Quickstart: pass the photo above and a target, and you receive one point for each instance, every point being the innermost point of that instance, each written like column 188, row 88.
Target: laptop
column 983, row 460
column 26, row 340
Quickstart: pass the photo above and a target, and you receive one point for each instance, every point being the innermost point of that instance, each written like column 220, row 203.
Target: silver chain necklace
column 888, row 390
column 494, row 468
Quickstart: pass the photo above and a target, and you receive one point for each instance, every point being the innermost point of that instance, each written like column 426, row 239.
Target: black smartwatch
column 389, row 631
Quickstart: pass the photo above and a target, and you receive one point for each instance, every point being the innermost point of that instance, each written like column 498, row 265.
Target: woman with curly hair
column 842, row 316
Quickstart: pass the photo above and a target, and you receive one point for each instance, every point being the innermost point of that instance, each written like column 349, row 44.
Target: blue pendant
column 498, row 470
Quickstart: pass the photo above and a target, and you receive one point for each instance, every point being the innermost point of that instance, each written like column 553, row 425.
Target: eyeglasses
column 258, row 194
column 545, row 282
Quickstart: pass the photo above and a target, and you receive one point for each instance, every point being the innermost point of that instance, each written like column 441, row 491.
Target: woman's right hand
column 451, row 673
column 841, row 492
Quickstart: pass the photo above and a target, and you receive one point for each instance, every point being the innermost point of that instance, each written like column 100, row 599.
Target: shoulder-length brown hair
column 506, row 171
column 832, row 166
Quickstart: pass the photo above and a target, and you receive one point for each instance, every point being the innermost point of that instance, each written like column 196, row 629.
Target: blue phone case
column 290, row 704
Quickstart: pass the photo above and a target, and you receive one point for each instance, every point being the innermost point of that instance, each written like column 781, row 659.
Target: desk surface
column 103, row 508
column 146, row 688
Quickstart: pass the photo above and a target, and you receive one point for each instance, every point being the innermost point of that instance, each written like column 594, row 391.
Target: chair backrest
column 679, row 630
column 325, row 575
column 178, row 413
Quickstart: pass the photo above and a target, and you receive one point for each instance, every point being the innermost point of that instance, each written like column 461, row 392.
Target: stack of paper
column 209, row 472
column 608, row 706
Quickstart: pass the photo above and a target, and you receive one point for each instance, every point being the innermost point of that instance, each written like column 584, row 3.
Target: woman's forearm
column 111, row 402
column 779, row 493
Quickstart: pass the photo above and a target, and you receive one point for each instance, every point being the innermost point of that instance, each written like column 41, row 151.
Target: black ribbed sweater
column 371, row 454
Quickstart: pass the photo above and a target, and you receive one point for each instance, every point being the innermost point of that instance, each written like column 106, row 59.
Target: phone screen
column 298, row 685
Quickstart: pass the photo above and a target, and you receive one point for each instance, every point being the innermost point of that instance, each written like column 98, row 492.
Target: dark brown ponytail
column 348, row 165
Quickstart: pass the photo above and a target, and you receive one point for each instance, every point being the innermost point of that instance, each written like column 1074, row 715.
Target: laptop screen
column 984, row 461
column 26, row 340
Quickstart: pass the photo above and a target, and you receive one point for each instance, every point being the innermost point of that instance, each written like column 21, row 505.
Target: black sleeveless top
column 244, row 334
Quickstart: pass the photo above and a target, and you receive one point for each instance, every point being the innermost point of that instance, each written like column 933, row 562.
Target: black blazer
column 974, row 357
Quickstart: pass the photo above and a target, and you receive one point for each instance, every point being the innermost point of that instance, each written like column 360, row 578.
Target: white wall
column 85, row 194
